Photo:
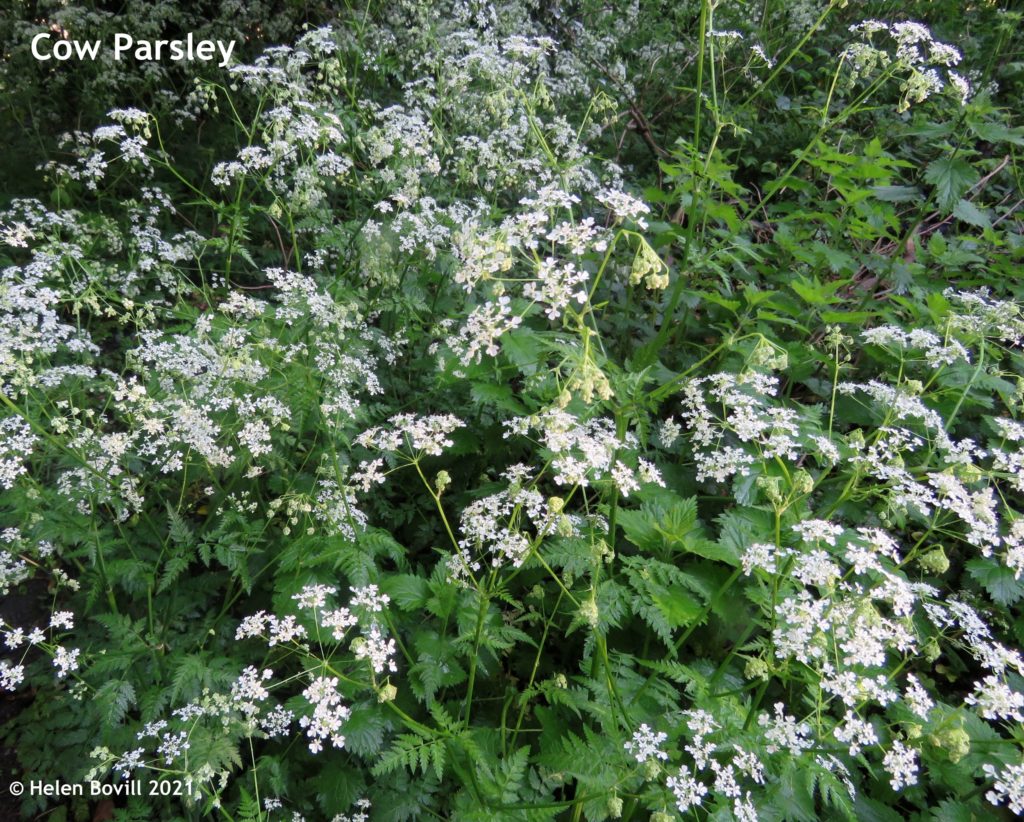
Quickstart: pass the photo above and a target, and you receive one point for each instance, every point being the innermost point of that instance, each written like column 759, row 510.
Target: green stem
column 467, row 707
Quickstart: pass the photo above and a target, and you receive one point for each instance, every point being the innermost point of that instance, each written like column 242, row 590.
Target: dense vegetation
column 518, row 411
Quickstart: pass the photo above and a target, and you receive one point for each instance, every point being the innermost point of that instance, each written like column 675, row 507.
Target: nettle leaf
column 997, row 133
column 968, row 212
column 444, row 596
column 364, row 730
column 639, row 527
column 952, row 177
column 952, row 810
column 997, row 579
column 897, row 194
column 337, row 788
column 499, row 396
column 668, row 521
column 525, row 348
column 739, row 527
column 815, row 292
column 407, row 591
column 866, row 809
column 678, row 607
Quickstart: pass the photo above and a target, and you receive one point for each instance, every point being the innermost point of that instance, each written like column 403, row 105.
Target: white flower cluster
column 901, row 763
column 996, row 700
column 249, row 700
column 937, row 352
column 16, row 442
column 1008, row 786
column 493, row 527
column 724, row 771
column 907, row 427
column 752, row 426
column 411, row 434
column 784, row 732
column 329, row 715
column 646, row 744
column 586, row 451
column 915, row 53
column 554, row 281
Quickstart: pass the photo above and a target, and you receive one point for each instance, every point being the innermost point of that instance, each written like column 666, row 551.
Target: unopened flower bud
column 954, row 741
column 771, row 487
column 756, row 668
column 442, row 481
column 803, row 482
column 387, row 693
column 565, row 527
column 767, row 355
column 970, row 473
column 935, row 561
column 589, row 613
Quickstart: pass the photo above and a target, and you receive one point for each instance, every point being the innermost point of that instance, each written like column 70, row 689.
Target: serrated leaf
column 897, row 194
column 573, row 555
column 524, row 348
column 678, row 606
column 364, row 730
column 952, row 177
column 115, row 698
column 499, row 396
column 640, row 529
column 173, row 568
column 951, row 810
column 408, row 591
column 997, row 579
column 998, row 133
column 969, row 213
column 180, row 531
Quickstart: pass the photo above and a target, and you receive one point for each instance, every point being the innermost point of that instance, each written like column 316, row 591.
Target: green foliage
column 370, row 449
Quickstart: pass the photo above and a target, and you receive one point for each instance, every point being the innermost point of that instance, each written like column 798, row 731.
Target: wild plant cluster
column 529, row 411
